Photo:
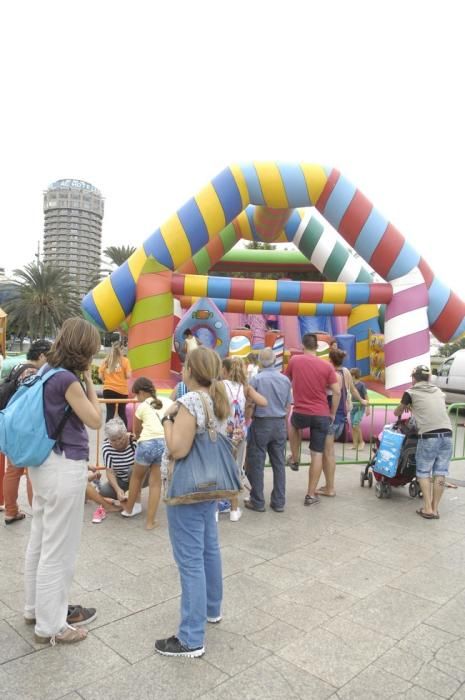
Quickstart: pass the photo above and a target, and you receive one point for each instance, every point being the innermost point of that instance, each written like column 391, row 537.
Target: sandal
column 311, row 500
column 70, row 635
column 427, row 516
column 19, row 516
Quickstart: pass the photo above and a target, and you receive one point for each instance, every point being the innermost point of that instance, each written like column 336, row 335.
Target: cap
column 421, row 371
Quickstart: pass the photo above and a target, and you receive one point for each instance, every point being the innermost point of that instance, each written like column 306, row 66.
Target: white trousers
column 57, row 512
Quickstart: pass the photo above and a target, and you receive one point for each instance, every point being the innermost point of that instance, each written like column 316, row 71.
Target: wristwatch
column 165, row 418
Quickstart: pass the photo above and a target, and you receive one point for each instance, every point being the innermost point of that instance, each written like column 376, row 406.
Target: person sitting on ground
column 435, row 446
column 191, row 342
column 118, row 451
column 36, row 358
column 150, row 436
column 358, row 411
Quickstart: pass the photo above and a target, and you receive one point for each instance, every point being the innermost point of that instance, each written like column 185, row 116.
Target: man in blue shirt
column 268, row 434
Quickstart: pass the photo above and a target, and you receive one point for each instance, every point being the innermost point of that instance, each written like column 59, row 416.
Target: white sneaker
column 235, row 515
column 135, row 511
column 216, row 515
column 214, row 620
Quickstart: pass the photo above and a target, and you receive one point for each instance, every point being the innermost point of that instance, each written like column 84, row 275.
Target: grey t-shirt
column 74, row 441
column 276, row 388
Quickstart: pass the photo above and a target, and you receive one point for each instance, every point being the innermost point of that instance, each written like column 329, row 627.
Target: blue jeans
column 267, row 435
column 194, row 538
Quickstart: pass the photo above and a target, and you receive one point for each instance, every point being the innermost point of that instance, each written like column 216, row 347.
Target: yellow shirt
column 118, row 380
column 150, row 418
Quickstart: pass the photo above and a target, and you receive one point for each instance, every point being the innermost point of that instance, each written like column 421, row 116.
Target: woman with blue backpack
column 59, row 484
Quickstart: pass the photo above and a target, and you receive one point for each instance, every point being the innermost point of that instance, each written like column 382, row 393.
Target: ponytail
column 156, row 403
column 221, row 405
column 146, row 384
column 205, row 366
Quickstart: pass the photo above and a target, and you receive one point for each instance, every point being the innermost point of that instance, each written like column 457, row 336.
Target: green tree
column 449, row 348
column 42, row 298
column 117, row 255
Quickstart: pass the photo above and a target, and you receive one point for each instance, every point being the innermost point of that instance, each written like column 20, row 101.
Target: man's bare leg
column 426, row 486
column 439, row 484
column 295, row 440
column 314, row 473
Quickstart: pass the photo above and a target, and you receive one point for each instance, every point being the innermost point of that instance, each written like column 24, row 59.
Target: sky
column 149, row 103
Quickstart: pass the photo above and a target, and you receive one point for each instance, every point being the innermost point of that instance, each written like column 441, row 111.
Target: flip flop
column 451, row 486
column 20, row 516
column 426, row 516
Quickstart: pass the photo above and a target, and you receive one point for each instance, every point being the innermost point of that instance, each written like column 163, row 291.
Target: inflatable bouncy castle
column 273, row 202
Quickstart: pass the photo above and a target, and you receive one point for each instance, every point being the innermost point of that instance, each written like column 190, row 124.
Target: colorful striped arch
column 271, row 201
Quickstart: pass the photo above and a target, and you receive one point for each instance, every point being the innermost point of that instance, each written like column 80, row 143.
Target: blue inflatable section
column 315, row 324
column 209, row 326
column 347, row 342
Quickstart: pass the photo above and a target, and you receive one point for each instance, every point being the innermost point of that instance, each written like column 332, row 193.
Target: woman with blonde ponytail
column 114, row 372
column 192, row 527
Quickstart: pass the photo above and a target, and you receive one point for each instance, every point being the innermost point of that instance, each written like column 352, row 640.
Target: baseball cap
column 421, row 371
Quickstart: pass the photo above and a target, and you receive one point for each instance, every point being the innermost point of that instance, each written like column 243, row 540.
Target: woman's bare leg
column 135, row 484
column 329, row 468
column 154, row 496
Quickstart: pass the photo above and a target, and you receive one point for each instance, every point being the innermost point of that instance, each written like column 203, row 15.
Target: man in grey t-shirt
column 434, row 449
column 268, row 434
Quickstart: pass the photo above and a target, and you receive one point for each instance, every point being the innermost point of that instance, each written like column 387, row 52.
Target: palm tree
column 42, row 298
column 117, row 255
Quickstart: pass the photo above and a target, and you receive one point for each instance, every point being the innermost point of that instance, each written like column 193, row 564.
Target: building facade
column 73, row 213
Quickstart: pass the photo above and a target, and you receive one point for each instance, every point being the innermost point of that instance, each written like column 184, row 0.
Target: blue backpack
column 23, row 430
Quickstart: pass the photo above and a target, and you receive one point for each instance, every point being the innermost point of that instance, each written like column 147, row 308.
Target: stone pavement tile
column 231, row 653
column 299, row 561
column 5, row 611
column 309, row 523
column 453, row 654
column 276, row 636
column 273, row 544
column 10, row 581
column 93, row 575
column 139, row 592
column 415, row 693
column 429, row 637
column 452, row 557
column 431, row 678
column 453, row 521
column 241, row 592
column 55, row 671
column 395, row 612
column 281, row 577
column 431, row 582
column 437, row 539
column 235, row 560
column 12, row 645
column 248, row 622
column 133, row 637
column 359, row 577
column 349, row 515
column 449, row 670
column 271, row 678
column 370, row 644
column 373, row 683
column 460, row 694
column 156, row 677
column 303, row 617
column 323, row 597
column 400, row 663
column 375, row 534
column 336, row 657
column 399, row 555
column 451, row 617
column 335, row 549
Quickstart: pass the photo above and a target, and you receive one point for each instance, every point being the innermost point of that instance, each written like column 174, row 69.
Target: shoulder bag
column 209, row 472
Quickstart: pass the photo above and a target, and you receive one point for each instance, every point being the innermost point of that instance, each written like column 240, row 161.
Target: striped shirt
column 119, row 461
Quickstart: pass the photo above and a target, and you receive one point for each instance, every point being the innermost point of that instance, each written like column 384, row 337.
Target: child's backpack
column 9, row 386
column 235, row 423
column 23, row 431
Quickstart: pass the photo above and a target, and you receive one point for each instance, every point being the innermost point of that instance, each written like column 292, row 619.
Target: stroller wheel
column 379, row 491
column 413, row 489
column 370, row 479
column 362, row 479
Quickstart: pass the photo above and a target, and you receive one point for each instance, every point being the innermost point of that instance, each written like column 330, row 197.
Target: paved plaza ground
column 352, row 598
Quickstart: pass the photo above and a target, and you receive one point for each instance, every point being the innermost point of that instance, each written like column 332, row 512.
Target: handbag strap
column 209, row 417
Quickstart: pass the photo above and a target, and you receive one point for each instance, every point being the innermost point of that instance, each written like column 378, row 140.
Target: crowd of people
column 253, row 405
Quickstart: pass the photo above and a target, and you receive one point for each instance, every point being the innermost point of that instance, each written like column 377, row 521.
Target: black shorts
column 319, row 426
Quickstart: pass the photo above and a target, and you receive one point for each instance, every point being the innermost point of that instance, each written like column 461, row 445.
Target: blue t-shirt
column 276, row 388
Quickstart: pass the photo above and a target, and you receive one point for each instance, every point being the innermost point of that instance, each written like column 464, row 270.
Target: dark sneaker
column 173, row 647
column 277, row 509
column 293, row 465
column 77, row 615
column 252, row 506
column 311, row 500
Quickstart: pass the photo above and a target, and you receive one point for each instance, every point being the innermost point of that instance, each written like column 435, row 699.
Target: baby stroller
column 397, row 470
